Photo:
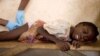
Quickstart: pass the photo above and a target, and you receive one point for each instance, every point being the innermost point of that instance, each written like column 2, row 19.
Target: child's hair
column 90, row 26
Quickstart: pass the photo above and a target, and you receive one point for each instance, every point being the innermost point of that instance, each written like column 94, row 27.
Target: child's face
column 83, row 34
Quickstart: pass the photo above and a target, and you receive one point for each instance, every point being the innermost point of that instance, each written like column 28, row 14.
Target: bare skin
column 77, row 30
column 31, row 34
column 83, row 33
column 3, row 22
column 37, row 29
column 64, row 46
column 14, row 34
column 23, row 4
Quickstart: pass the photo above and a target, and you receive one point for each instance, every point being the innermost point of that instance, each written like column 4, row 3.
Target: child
column 16, row 29
column 61, row 33
column 57, row 30
column 83, row 32
column 54, row 34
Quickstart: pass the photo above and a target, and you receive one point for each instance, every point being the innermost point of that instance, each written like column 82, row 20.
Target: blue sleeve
column 19, row 21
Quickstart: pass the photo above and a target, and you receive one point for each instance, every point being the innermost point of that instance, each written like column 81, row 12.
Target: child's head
column 85, row 31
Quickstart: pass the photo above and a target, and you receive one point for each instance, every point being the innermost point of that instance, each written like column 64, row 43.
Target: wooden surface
column 18, row 47
column 41, row 45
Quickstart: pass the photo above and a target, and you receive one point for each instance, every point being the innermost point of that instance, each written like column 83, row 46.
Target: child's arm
column 23, row 4
column 63, row 45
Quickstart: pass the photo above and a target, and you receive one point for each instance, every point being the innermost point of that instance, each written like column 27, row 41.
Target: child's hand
column 64, row 46
column 76, row 44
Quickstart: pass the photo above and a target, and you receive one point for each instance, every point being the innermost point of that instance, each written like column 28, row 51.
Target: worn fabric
column 59, row 28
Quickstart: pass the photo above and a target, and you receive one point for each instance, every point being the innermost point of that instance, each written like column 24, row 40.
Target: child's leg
column 3, row 22
column 13, row 34
column 31, row 34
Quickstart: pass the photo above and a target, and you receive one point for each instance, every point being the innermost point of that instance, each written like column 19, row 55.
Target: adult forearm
column 23, row 4
column 14, row 34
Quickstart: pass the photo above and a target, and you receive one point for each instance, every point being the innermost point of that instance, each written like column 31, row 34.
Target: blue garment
column 19, row 21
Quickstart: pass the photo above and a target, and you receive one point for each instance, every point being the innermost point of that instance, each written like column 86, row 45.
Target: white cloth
column 59, row 28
